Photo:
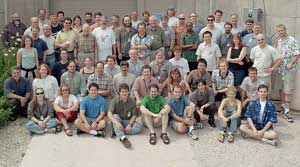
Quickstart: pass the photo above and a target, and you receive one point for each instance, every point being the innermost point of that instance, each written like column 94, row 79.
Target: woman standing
column 46, row 81
column 66, row 106
column 77, row 24
column 27, row 58
column 40, row 113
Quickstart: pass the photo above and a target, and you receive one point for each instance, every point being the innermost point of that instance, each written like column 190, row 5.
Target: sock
column 286, row 110
column 283, row 105
column 93, row 132
column 46, row 130
column 123, row 137
column 191, row 128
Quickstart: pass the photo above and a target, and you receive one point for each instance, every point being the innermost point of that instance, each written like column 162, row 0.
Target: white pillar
column 295, row 106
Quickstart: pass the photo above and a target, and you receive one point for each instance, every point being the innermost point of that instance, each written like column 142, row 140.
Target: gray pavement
column 58, row 150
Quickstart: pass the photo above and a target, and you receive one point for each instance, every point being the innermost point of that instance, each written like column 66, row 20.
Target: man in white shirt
column 218, row 22
column 216, row 32
column 50, row 41
column 234, row 21
column 179, row 62
column 105, row 39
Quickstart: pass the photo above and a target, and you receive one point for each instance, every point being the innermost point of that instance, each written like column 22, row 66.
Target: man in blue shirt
column 17, row 90
column 39, row 44
column 182, row 113
column 92, row 113
column 261, row 115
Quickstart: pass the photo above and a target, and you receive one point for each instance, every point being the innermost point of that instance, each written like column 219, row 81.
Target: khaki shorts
column 267, row 81
column 175, row 124
column 287, row 84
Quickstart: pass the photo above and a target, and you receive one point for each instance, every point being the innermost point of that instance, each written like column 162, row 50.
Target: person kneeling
column 92, row 113
column 261, row 115
column 229, row 112
column 123, row 113
column 40, row 113
column 155, row 114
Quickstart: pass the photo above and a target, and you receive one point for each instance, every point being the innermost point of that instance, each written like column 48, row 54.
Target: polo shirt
column 187, row 39
column 154, row 105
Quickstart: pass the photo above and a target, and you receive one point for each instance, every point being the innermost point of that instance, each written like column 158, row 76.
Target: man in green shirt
column 156, row 34
column 122, row 113
column 155, row 114
column 189, row 45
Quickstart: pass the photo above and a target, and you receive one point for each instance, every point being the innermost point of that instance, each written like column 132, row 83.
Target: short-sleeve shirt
column 145, row 40
column 186, row 39
column 210, row 52
column 181, row 64
column 142, row 86
column 222, row 82
column 66, row 36
column 195, row 76
column 105, row 38
column 157, row 35
column 50, row 41
column 169, row 34
column 263, row 58
column 124, row 37
column 93, row 107
column 124, row 109
column 154, row 105
column 40, row 46
column 251, row 87
column 19, row 88
column 71, row 100
column 178, row 106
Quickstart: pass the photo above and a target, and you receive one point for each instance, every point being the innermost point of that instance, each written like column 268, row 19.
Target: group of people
column 149, row 72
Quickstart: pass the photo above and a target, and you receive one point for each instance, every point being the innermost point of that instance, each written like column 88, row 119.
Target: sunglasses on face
column 210, row 19
column 41, row 93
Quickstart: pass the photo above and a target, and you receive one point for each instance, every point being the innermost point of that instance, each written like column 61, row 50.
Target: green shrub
column 5, row 111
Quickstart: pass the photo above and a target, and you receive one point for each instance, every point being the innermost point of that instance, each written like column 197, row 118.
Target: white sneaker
column 268, row 141
column 193, row 135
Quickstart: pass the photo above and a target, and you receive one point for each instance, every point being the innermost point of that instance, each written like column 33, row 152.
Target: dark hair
column 240, row 46
column 252, row 69
column 99, row 62
column 15, row 68
column 97, row 14
column 42, row 9
column 262, row 86
column 93, row 84
column 110, row 57
column 77, row 17
column 146, row 66
column 124, row 63
column 207, row 32
column 71, row 61
column 141, row 24
column 146, row 13
column 203, row 61
column 210, row 16
column 63, row 49
column 60, row 12
column 201, row 81
column 153, row 86
column 124, row 18
column 228, row 23
column 38, row 28
column 88, row 13
column 166, row 18
column 250, row 21
column 68, row 19
column 175, row 70
column 123, row 86
column 23, row 41
column 219, row 11
column 116, row 16
column 33, row 104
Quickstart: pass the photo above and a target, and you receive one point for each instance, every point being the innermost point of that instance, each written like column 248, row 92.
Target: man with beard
column 85, row 44
column 89, row 18
column 124, row 38
column 13, row 29
column 146, row 16
column 225, row 39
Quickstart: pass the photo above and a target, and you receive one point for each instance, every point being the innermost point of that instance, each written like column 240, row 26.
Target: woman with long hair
column 77, row 24
column 45, row 80
column 88, row 68
column 66, row 106
column 40, row 113
column 27, row 58
column 174, row 79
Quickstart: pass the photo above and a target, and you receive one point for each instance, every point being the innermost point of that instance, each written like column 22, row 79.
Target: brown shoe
column 126, row 143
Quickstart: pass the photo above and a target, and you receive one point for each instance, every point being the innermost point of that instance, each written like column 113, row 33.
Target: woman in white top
column 46, row 81
column 66, row 106
column 27, row 58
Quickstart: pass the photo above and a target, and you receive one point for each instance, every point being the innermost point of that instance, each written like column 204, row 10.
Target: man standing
column 40, row 45
column 215, row 31
column 89, row 18
column 92, row 113
column 196, row 26
column 261, row 115
column 169, row 35
column 189, row 45
column 42, row 18
column 122, row 113
column 134, row 17
column 225, row 39
column 17, row 90
column 34, row 23
column 124, row 38
column 142, row 43
column 85, row 43
column 249, row 28
column 218, row 22
column 179, row 29
column 75, row 80
column 157, row 35
column 50, row 41
column 155, row 114
column 14, row 29
column 61, row 17
column 234, row 21
column 105, row 39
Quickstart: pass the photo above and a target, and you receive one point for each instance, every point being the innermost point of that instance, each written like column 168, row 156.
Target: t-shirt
column 59, row 101
column 93, row 107
column 251, row 87
column 178, row 106
column 50, row 41
column 181, row 64
column 263, row 58
column 210, row 52
column 105, row 38
column 124, row 109
column 262, row 109
column 154, row 105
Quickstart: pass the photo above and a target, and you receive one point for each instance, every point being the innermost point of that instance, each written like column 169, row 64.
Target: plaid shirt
column 85, row 43
column 104, row 82
column 222, row 82
column 124, row 37
column 269, row 114
column 145, row 40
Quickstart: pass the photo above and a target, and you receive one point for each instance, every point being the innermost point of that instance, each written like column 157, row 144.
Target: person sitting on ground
column 182, row 113
column 229, row 112
column 92, row 112
column 40, row 112
column 204, row 99
column 122, row 113
column 66, row 106
column 18, row 91
column 155, row 114
column 261, row 115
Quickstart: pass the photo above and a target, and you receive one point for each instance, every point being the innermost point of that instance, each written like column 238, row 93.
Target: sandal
column 221, row 137
column 165, row 138
column 68, row 132
column 152, row 139
column 58, row 128
column 230, row 138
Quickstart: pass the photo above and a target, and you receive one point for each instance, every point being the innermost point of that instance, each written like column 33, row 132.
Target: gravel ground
column 14, row 140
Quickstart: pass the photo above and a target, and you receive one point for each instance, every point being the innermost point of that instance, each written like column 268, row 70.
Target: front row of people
column 178, row 111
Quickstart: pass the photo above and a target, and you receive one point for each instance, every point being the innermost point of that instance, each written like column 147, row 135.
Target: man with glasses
column 179, row 29
column 65, row 39
column 216, row 32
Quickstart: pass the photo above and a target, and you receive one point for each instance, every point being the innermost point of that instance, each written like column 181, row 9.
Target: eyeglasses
column 40, row 93
column 181, row 18
column 65, row 90
column 210, row 19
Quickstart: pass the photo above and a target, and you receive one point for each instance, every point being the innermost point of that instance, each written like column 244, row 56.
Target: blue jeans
column 34, row 127
column 136, row 128
column 232, row 124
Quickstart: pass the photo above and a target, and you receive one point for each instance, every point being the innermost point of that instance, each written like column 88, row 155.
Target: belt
column 71, row 51
column 52, row 54
column 27, row 70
